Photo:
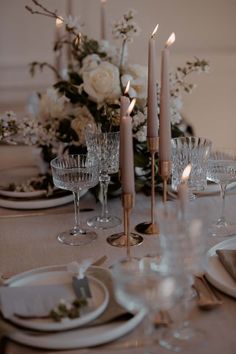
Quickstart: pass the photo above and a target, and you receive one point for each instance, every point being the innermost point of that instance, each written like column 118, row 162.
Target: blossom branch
column 41, row 66
column 45, row 11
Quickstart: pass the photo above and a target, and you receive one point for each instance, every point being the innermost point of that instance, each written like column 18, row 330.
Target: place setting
column 64, row 307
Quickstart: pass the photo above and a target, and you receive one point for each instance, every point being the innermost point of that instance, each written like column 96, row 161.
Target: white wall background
column 204, row 28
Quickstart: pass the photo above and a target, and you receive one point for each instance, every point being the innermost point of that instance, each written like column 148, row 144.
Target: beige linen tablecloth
column 29, row 242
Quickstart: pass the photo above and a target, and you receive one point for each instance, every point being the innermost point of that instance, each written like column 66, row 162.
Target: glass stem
column 104, row 180
column 76, row 228
column 222, row 192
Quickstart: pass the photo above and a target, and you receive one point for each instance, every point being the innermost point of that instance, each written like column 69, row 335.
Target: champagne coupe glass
column 74, row 173
column 142, row 287
column 222, row 170
column 106, row 147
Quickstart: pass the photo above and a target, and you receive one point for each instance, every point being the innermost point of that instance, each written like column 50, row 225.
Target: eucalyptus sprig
column 68, row 310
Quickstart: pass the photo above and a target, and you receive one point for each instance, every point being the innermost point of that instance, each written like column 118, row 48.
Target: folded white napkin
column 33, row 301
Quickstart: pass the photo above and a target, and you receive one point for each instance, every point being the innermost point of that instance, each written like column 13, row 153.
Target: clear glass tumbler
column 194, row 151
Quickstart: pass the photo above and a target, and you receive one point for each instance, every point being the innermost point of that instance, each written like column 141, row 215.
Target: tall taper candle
column 165, row 124
column 124, row 105
column 127, row 157
column 69, row 12
column 58, row 53
column 103, row 20
column 152, row 118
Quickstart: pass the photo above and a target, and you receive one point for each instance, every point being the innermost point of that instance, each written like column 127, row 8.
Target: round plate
column 14, row 194
column 39, row 203
column 95, row 307
column 215, row 271
column 81, row 337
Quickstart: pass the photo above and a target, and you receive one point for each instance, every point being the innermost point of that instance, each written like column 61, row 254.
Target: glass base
column 108, row 222
column 185, row 338
column 224, row 230
column 79, row 239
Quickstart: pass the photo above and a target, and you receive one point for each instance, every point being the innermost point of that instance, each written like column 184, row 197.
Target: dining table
column 28, row 240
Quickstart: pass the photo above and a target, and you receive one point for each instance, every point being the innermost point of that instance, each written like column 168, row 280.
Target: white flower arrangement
column 90, row 93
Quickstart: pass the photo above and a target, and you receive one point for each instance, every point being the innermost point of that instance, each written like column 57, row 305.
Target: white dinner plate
column 76, row 338
column 96, row 305
column 215, row 271
column 14, row 194
column 39, row 203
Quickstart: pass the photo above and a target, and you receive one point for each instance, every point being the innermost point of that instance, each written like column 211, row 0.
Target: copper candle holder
column 165, row 172
column 126, row 239
column 151, row 228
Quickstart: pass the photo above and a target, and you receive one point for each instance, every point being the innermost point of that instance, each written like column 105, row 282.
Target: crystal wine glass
column 222, row 170
column 106, row 147
column 147, row 288
column 74, row 173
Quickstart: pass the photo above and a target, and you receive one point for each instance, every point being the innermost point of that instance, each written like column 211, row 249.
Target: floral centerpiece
column 88, row 91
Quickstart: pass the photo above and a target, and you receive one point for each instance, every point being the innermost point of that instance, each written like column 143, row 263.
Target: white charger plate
column 100, row 297
column 39, row 203
column 14, row 194
column 77, row 338
column 215, row 271
column 36, row 200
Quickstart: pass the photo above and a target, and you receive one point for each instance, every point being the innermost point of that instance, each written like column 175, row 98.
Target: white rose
column 102, row 83
column 138, row 76
column 90, row 62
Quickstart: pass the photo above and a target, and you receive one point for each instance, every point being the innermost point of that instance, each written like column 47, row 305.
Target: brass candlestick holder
column 126, row 239
column 151, row 228
column 165, row 172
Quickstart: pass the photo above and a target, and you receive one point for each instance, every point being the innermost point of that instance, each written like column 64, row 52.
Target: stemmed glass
column 106, row 147
column 74, row 173
column 144, row 287
column 183, row 244
column 222, row 170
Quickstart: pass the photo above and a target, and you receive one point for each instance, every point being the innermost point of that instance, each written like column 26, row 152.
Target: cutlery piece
column 207, row 297
column 100, row 261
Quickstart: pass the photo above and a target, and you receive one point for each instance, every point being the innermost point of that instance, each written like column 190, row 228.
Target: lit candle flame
column 154, row 31
column 131, row 106
column 170, row 40
column 127, row 87
column 186, row 173
column 59, row 21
